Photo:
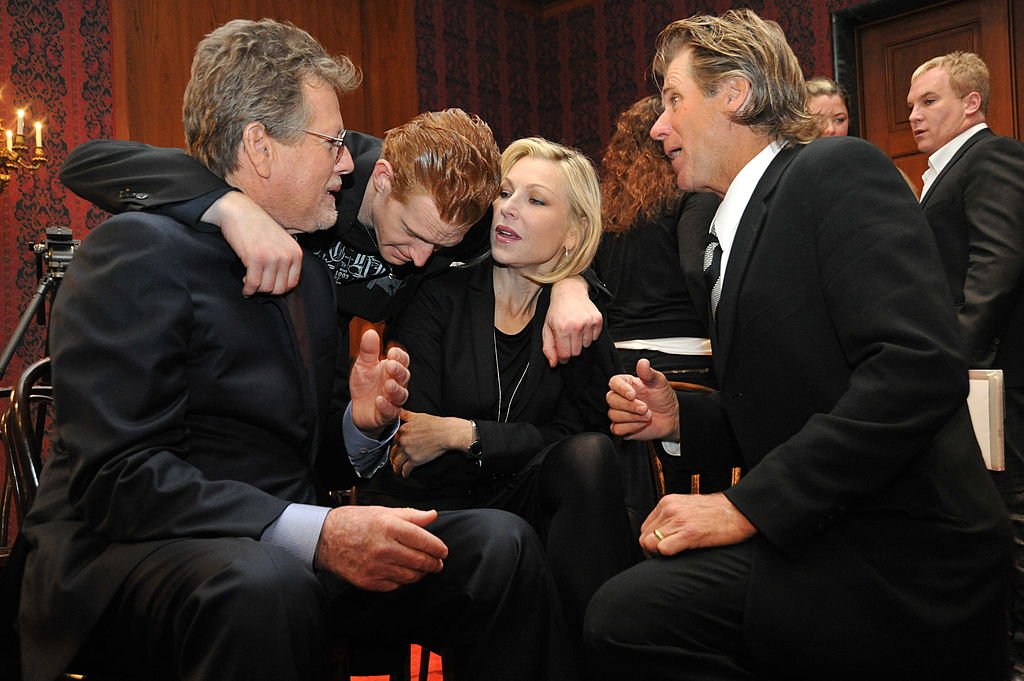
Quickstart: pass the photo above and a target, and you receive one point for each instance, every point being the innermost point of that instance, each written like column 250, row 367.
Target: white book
column 985, row 402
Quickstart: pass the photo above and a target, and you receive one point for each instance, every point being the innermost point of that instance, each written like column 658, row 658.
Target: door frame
column 845, row 23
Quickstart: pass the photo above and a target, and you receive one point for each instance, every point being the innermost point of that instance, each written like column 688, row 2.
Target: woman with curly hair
column 650, row 253
column 650, row 257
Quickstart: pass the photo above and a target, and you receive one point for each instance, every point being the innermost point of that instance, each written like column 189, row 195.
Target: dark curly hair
column 637, row 182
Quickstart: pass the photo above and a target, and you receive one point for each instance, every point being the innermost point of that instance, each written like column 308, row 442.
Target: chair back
column 735, row 472
column 23, row 429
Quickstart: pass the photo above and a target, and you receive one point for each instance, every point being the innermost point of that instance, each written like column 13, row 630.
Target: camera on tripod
column 58, row 249
column 56, row 253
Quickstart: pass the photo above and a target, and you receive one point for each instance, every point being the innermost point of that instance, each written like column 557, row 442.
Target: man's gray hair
column 249, row 71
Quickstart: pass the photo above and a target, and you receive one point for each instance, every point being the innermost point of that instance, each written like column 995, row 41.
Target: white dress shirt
column 942, row 156
column 727, row 219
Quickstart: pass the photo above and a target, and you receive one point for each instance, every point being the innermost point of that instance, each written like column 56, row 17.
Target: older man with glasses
column 182, row 529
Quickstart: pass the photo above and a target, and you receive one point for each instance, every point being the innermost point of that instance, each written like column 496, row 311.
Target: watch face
column 475, row 450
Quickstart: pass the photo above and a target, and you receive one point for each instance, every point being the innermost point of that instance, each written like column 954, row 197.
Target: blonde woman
column 826, row 99
column 489, row 423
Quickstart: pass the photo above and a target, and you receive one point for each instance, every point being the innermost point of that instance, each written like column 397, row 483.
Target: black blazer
column 976, row 211
column 448, row 331
column 163, row 372
column 882, row 543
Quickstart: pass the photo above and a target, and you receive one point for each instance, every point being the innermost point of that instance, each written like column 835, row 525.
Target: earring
column 567, row 253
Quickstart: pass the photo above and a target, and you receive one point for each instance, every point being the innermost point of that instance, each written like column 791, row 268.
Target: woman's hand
column 423, row 437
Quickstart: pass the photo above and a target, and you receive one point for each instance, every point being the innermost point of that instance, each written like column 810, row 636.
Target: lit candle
column 39, row 134
column 10, row 140
column 21, row 121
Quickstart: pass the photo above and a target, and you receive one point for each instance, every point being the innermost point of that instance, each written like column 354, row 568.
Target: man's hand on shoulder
column 272, row 257
column 573, row 321
column 379, row 549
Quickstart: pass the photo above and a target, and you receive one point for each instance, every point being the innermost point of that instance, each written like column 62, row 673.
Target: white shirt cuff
column 671, row 448
column 297, row 530
column 366, row 454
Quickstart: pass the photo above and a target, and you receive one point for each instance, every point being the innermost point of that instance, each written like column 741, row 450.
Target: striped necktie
column 713, row 269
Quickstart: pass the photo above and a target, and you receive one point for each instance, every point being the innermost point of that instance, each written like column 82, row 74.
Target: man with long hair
column 866, row 540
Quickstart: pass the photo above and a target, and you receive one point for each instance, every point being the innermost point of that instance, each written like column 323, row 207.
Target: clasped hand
column 423, row 437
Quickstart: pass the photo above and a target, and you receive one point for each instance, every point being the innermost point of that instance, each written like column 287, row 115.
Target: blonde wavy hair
column 583, row 192
column 740, row 43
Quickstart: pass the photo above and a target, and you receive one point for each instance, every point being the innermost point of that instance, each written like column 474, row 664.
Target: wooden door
column 153, row 41
column 890, row 50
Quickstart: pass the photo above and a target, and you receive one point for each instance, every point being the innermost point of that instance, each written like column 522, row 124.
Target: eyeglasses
column 337, row 142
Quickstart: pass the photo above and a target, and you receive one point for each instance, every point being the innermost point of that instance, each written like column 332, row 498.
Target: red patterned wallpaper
column 568, row 76
column 54, row 62
column 565, row 76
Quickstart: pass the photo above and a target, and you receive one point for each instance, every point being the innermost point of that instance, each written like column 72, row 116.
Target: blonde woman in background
column 827, row 99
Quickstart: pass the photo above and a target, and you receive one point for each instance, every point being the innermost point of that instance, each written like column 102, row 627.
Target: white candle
column 39, row 134
column 21, row 121
column 10, row 140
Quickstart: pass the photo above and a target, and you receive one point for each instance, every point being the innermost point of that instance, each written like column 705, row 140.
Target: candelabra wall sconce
column 14, row 154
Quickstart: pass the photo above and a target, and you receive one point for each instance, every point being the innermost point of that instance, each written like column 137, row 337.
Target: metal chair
column 393, row 660
column 23, row 424
column 695, row 479
column 23, row 429
column 6, row 492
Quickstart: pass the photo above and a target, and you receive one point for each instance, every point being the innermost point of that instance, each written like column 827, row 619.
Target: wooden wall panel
column 1017, row 77
column 890, row 51
column 389, row 65
column 153, row 42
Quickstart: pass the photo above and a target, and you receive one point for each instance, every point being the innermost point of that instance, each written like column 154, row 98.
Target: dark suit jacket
column 882, row 543
column 976, row 210
column 184, row 410
column 448, row 331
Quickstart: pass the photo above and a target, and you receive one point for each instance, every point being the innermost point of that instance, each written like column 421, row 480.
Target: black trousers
column 678, row 617
column 571, row 493
column 687, row 617
column 1011, row 488
column 201, row 609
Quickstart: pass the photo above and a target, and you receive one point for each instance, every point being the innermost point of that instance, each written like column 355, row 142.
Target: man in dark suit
column 866, row 539
column 973, row 198
column 181, row 528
